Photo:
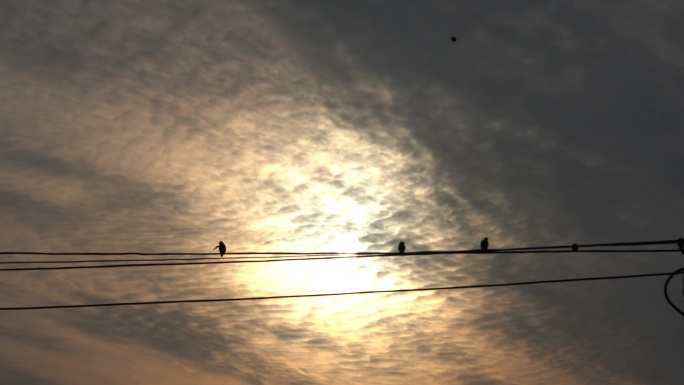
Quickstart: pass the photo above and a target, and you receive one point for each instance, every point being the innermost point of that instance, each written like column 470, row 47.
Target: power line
column 262, row 257
column 106, row 260
column 614, row 244
column 276, row 297
column 667, row 295
column 166, row 254
column 54, row 262
column 323, row 253
column 65, row 261
column 220, row 261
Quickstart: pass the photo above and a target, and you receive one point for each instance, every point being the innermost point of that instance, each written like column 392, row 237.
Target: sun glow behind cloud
column 331, row 183
column 329, row 198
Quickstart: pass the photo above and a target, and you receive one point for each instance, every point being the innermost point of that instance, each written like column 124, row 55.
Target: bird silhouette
column 575, row 247
column 484, row 244
column 402, row 247
column 221, row 247
column 680, row 244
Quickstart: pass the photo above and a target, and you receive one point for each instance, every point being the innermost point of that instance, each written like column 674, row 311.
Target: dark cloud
column 479, row 101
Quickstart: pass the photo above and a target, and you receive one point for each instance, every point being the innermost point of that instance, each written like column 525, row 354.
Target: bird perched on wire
column 575, row 247
column 221, row 247
column 402, row 247
column 484, row 244
column 680, row 244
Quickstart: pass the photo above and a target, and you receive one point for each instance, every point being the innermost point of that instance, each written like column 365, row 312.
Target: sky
column 308, row 126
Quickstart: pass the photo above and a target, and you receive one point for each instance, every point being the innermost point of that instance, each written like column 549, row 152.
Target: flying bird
column 221, row 247
column 484, row 244
column 402, row 247
column 453, row 38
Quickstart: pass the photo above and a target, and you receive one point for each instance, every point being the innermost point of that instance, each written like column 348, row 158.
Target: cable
column 140, row 260
column 107, row 261
column 287, row 256
column 218, row 261
column 181, row 263
column 163, row 254
column 274, row 297
column 614, row 244
column 667, row 296
column 352, row 254
column 640, row 243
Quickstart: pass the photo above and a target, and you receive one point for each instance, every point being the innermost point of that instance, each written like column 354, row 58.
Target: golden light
column 320, row 275
column 334, row 195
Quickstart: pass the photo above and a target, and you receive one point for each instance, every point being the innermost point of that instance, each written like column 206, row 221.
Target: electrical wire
column 243, row 259
column 216, row 261
column 221, row 261
column 107, row 260
column 277, row 297
column 174, row 253
column 333, row 257
column 667, row 295
column 613, row 244
column 273, row 253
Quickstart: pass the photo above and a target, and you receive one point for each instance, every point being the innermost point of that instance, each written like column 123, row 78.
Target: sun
column 324, row 202
column 323, row 275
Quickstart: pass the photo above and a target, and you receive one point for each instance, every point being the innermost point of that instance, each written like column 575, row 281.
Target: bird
column 484, row 244
column 221, row 247
column 575, row 247
column 402, row 247
column 680, row 244
column 453, row 38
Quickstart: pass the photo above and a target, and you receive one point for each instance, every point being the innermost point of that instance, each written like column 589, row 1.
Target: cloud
column 477, row 109
column 170, row 126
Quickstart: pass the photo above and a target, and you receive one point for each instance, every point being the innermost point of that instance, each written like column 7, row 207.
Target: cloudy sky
column 346, row 126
